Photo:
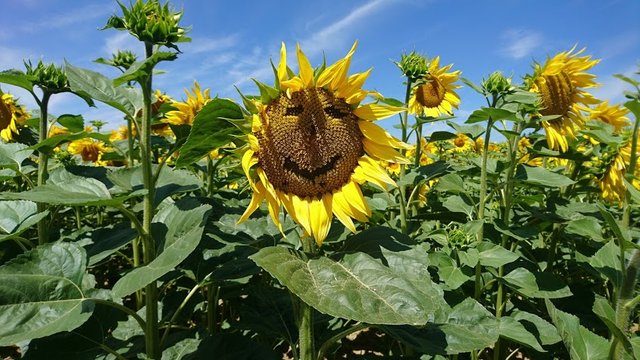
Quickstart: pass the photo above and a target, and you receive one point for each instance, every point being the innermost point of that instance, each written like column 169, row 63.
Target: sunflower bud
column 124, row 59
column 496, row 83
column 150, row 22
column 413, row 65
column 48, row 77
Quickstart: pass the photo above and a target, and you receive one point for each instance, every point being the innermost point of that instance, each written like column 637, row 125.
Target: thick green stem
column 213, row 294
column 305, row 315
column 626, row 303
column 43, row 159
column 152, row 335
column 130, row 142
column 403, row 188
column 481, row 204
column 507, row 197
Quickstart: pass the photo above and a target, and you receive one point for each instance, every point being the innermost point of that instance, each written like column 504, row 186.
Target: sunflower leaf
column 359, row 287
column 214, row 126
column 179, row 227
column 267, row 93
column 540, row 176
column 143, row 69
column 16, row 78
column 579, row 341
column 42, row 292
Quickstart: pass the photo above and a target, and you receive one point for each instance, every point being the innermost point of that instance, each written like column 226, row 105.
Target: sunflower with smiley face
column 313, row 144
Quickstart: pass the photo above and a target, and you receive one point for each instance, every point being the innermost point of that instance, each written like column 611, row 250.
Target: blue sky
column 234, row 40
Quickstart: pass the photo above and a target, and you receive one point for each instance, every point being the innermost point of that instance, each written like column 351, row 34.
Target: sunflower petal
column 383, row 152
column 377, row 134
column 306, row 71
column 282, row 66
column 370, row 170
column 320, row 216
column 371, row 112
column 256, row 199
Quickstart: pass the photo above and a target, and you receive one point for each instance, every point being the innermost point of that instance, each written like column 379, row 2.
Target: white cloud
column 197, row 46
column 612, row 88
column 337, row 33
column 620, row 44
column 12, row 58
column 520, row 43
column 122, row 41
column 59, row 20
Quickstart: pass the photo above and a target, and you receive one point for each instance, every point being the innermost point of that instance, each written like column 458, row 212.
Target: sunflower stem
column 403, row 188
column 130, row 142
column 482, row 203
column 152, row 334
column 43, row 159
column 305, row 314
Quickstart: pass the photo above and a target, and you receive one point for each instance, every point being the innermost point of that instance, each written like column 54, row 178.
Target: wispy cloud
column 60, row 20
column 337, row 33
column 327, row 38
column 12, row 58
column 198, row 45
column 519, row 43
column 612, row 88
column 620, row 44
column 121, row 41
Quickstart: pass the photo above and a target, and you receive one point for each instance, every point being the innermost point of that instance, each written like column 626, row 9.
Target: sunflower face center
column 5, row 115
column 431, row 93
column 556, row 92
column 310, row 143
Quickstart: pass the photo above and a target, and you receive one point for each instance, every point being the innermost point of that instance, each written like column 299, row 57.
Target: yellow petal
column 248, row 160
column 320, row 214
column 282, row 66
column 350, row 199
column 256, row 199
column 306, row 71
column 301, row 209
column 383, row 152
column 377, row 134
column 341, row 211
column 371, row 112
column 370, row 170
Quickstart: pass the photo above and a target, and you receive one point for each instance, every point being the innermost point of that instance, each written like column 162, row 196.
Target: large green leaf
column 16, row 78
column 541, row 176
column 225, row 346
column 17, row 216
column 495, row 255
column 513, row 330
column 42, row 293
column 606, row 261
column 358, row 287
column 72, row 191
column 214, row 126
column 469, row 326
column 587, row 226
column 538, row 285
column 605, row 312
column 107, row 240
column 101, row 88
column 579, row 341
column 143, row 69
column 13, row 154
column 544, row 331
column 448, row 270
column 171, row 181
column 178, row 228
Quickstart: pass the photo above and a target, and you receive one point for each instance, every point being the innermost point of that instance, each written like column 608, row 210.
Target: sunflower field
column 289, row 225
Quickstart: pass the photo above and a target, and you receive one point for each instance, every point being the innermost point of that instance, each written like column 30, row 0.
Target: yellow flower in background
column 120, row 134
column 612, row 182
column 462, row 143
column 392, row 167
column 561, row 82
column 524, row 144
column 57, row 130
column 435, row 94
column 314, row 144
column 89, row 150
column 426, row 149
column 12, row 115
column 187, row 110
column 614, row 115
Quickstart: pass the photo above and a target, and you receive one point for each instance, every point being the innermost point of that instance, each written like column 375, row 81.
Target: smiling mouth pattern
column 311, row 175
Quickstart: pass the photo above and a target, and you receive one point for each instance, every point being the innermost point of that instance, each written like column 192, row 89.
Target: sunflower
column 12, row 115
column 614, row 115
column 612, row 182
column 313, row 144
column 89, row 150
column 188, row 109
column 435, row 94
column 561, row 82
column 426, row 149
